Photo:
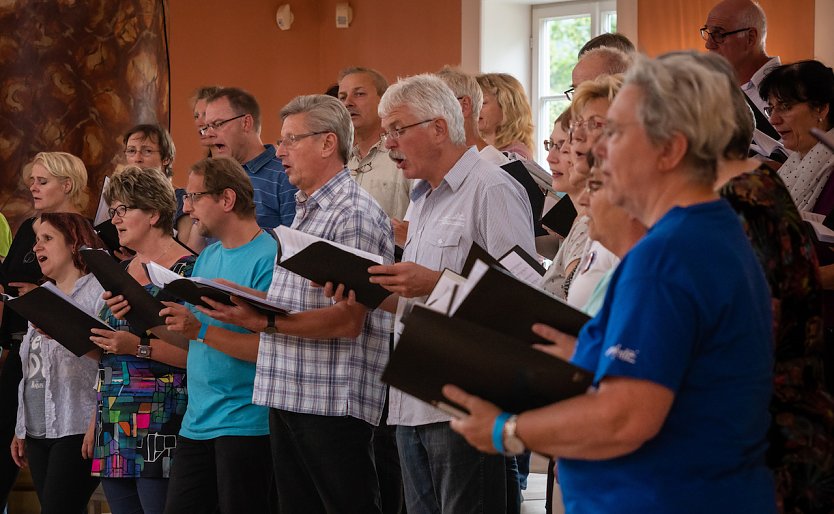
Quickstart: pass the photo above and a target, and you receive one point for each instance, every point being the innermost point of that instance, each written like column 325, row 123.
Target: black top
column 20, row 265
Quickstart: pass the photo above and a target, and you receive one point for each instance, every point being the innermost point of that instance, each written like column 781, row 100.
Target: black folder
column 518, row 171
column 322, row 262
column 435, row 350
column 63, row 320
column 113, row 277
column 190, row 291
column 503, row 303
column 560, row 217
column 477, row 253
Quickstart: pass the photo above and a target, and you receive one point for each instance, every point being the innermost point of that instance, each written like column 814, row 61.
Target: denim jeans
column 442, row 474
column 135, row 495
column 323, row 464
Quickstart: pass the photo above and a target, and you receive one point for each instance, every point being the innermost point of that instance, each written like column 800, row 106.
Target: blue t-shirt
column 220, row 386
column 689, row 309
column 274, row 195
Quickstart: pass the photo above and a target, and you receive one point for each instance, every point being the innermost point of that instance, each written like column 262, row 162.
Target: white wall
column 505, row 39
column 823, row 35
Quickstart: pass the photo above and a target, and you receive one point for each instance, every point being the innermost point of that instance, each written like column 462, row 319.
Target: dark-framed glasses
column 291, row 139
column 550, row 144
column 719, row 36
column 396, row 133
column 144, row 152
column 120, row 210
column 215, row 125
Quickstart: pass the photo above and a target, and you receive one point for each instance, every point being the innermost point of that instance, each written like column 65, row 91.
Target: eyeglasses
column 120, row 210
column 569, row 93
column 780, row 108
column 192, row 197
column 550, row 144
column 217, row 124
column 364, row 168
column 395, row 134
column 144, row 152
column 290, row 140
column 592, row 124
column 719, row 36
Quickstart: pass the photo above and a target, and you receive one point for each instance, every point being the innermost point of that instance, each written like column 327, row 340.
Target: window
column 559, row 31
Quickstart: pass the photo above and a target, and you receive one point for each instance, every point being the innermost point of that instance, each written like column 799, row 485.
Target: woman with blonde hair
column 506, row 120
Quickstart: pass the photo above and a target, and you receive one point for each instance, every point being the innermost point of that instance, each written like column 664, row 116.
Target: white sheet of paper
column 101, row 210
column 516, row 265
column 293, row 241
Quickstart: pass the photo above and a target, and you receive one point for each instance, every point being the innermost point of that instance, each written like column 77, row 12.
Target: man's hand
column 241, row 313
column 337, row 293
column 408, row 279
column 400, row 229
column 563, row 345
column 476, row 428
column 179, row 319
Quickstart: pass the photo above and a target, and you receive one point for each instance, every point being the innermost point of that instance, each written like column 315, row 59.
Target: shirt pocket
column 446, row 249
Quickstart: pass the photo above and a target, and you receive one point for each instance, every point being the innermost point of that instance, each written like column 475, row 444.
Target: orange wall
column 665, row 25
column 239, row 44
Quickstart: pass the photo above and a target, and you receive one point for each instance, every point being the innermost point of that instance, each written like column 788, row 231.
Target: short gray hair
column 428, row 97
column 462, row 84
column 679, row 95
column 324, row 114
column 147, row 189
column 754, row 16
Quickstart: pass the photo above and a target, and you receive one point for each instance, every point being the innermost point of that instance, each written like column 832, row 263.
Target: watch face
column 144, row 351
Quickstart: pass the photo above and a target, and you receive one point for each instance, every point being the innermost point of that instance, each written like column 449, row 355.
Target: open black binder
column 435, row 350
column 59, row 317
column 503, row 303
column 560, row 217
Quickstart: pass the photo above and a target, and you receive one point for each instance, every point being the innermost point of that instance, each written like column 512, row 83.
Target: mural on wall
column 74, row 76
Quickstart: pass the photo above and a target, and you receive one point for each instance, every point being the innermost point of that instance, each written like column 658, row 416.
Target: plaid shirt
column 333, row 377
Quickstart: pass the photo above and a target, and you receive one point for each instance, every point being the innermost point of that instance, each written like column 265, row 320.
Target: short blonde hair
column 517, row 124
column 603, row 87
column 147, row 189
column 65, row 166
column 680, row 95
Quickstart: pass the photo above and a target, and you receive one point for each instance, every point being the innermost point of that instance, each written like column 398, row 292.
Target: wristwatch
column 512, row 444
column 143, row 351
column 270, row 323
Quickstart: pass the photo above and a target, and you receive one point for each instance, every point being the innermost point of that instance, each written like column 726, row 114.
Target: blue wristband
column 202, row 334
column 498, row 431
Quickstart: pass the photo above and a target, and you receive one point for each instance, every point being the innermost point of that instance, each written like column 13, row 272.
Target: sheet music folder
column 323, row 261
column 113, row 277
column 435, row 350
column 560, row 217
column 59, row 316
column 503, row 303
column 191, row 289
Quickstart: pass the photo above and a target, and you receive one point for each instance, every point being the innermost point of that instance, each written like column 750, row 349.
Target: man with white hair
column 737, row 31
column 460, row 199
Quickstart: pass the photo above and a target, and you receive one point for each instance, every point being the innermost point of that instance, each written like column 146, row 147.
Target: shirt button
column 439, row 241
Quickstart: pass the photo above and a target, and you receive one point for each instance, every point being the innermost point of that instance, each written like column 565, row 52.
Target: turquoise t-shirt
column 220, row 386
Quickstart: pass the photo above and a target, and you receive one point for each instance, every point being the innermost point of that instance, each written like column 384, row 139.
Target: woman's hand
column 118, row 342
column 563, row 345
column 117, row 304
column 19, row 452
column 88, row 444
column 476, row 428
column 23, row 287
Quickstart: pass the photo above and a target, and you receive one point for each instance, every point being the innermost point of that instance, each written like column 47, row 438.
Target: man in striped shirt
column 233, row 126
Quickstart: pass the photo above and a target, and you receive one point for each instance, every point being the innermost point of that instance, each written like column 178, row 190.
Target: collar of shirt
column 756, row 79
column 261, row 160
column 354, row 152
column 454, row 177
column 326, row 194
